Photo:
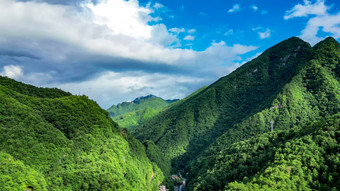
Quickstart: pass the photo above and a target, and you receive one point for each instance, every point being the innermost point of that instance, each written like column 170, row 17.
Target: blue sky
column 117, row 50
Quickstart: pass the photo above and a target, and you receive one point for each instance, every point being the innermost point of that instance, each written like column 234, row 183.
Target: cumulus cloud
column 105, row 32
column 235, row 8
column 320, row 20
column 326, row 23
column 299, row 10
column 133, row 18
column 12, row 71
column 112, row 47
column 265, row 34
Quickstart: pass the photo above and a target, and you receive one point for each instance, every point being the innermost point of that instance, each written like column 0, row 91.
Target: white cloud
column 100, row 31
column 326, row 23
column 235, row 8
column 123, row 17
column 161, row 36
column 299, row 10
column 177, row 30
column 254, row 7
column 220, row 58
column 189, row 37
column 321, row 20
column 12, row 71
column 104, row 88
column 104, row 45
column 265, row 34
column 158, row 6
column 204, row 68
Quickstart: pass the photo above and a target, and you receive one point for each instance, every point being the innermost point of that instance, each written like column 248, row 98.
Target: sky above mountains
column 117, row 50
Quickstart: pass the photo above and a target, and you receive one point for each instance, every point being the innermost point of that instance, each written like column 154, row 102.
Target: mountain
column 288, row 86
column 52, row 140
column 132, row 114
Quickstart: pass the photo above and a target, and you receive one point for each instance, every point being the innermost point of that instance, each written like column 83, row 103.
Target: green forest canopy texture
column 132, row 114
column 221, row 137
column 51, row 140
column 272, row 124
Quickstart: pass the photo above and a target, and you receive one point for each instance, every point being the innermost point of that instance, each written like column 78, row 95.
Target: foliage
column 70, row 143
column 134, row 119
column 14, row 175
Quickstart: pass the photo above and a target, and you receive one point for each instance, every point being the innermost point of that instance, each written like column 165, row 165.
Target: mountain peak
column 137, row 100
column 327, row 43
column 293, row 39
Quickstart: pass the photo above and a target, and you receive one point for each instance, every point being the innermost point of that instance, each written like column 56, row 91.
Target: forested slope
column 195, row 123
column 51, row 140
column 302, row 158
column 290, row 85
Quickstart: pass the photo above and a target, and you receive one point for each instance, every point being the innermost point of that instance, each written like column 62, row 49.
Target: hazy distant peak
column 143, row 98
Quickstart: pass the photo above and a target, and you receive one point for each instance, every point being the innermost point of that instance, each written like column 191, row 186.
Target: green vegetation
column 133, row 119
column 51, row 140
column 133, row 114
column 297, row 159
column 14, row 175
column 291, row 84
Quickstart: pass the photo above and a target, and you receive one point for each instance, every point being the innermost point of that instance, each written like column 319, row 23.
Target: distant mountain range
column 132, row 114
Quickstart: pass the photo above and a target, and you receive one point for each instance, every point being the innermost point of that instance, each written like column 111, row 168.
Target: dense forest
column 51, row 140
column 284, row 90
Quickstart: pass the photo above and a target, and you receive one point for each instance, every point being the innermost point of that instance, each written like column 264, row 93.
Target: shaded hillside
column 290, row 84
column 51, row 140
column 132, row 114
column 312, row 94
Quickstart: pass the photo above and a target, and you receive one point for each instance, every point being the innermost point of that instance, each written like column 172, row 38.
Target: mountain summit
column 137, row 100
